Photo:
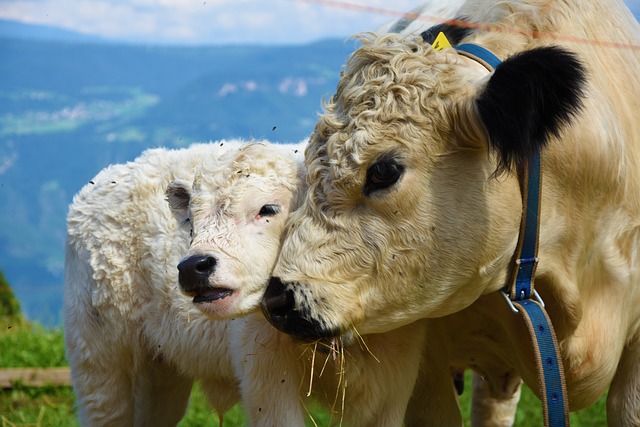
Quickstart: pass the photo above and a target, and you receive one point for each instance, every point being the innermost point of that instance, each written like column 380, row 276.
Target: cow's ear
column 178, row 195
column 529, row 97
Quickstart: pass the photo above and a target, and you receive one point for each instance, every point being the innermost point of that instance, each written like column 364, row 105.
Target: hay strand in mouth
column 324, row 365
column 344, row 394
column 343, row 380
column 338, row 355
column 306, row 409
column 313, row 362
column 363, row 342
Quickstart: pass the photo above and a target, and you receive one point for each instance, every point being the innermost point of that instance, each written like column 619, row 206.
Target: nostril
column 277, row 300
column 205, row 265
column 279, row 308
column 195, row 271
column 201, row 265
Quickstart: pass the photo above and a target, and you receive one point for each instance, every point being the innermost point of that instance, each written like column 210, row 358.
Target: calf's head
column 234, row 212
column 412, row 207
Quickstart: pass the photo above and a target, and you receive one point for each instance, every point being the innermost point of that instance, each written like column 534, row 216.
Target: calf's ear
column 178, row 195
column 529, row 98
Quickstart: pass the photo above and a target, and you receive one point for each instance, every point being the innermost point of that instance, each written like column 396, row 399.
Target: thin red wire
column 474, row 25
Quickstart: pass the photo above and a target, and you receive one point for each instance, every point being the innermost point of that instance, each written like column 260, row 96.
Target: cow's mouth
column 211, row 294
column 337, row 344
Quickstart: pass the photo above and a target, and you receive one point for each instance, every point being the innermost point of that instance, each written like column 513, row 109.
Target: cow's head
column 413, row 206
column 235, row 212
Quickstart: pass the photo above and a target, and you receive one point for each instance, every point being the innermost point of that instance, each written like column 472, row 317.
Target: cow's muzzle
column 281, row 310
column 193, row 276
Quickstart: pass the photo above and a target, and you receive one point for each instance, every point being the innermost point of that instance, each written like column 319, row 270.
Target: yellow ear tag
column 441, row 42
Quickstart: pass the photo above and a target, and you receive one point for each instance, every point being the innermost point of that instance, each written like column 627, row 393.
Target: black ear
column 530, row 97
column 455, row 33
column 178, row 196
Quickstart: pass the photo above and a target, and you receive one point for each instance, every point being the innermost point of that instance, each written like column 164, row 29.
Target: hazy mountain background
column 72, row 104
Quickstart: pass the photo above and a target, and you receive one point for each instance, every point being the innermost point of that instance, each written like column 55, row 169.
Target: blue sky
column 214, row 21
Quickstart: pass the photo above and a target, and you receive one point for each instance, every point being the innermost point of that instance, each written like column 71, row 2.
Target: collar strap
column 480, row 55
column 555, row 406
column 521, row 286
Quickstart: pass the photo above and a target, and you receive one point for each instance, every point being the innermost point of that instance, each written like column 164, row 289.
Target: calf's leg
column 161, row 394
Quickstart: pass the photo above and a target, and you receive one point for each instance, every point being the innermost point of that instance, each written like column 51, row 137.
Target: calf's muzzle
column 194, row 272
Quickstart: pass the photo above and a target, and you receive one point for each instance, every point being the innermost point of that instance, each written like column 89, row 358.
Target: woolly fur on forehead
column 256, row 165
column 394, row 89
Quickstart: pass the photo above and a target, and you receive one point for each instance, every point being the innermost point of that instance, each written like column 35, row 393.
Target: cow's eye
column 269, row 210
column 382, row 174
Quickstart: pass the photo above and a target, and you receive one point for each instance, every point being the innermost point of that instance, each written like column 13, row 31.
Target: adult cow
column 414, row 202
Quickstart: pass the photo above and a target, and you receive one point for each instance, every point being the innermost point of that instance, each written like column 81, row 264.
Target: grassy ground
column 25, row 345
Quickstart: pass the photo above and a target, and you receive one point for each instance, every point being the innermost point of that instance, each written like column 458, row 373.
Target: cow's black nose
column 277, row 302
column 279, row 307
column 194, row 272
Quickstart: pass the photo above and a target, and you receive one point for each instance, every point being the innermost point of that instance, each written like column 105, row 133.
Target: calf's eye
column 382, row 174
column 269, row 210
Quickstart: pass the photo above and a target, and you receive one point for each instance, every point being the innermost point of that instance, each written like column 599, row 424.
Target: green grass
column 46, row 406
column 23, row 345
column 26, row 345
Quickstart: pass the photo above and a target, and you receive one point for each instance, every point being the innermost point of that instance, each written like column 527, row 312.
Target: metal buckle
column 536, row 296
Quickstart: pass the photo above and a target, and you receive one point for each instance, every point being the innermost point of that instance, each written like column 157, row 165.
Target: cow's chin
column 225, row 303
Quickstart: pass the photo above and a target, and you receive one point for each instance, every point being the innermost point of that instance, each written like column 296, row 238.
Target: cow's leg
column 434, row 401
column 623, row 401
column 495, row 409
column 161, row 394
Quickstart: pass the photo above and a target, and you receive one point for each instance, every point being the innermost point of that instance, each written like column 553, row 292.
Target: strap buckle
column 536, row 296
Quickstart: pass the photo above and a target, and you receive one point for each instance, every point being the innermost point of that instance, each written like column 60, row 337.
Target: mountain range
column 71, row 105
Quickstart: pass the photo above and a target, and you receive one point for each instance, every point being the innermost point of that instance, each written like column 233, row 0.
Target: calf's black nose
column 194, row 272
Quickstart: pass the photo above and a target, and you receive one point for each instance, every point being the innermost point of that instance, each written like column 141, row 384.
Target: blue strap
column 527, row 252
column 555, row 406
column 480, row 54
column 552, row 384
